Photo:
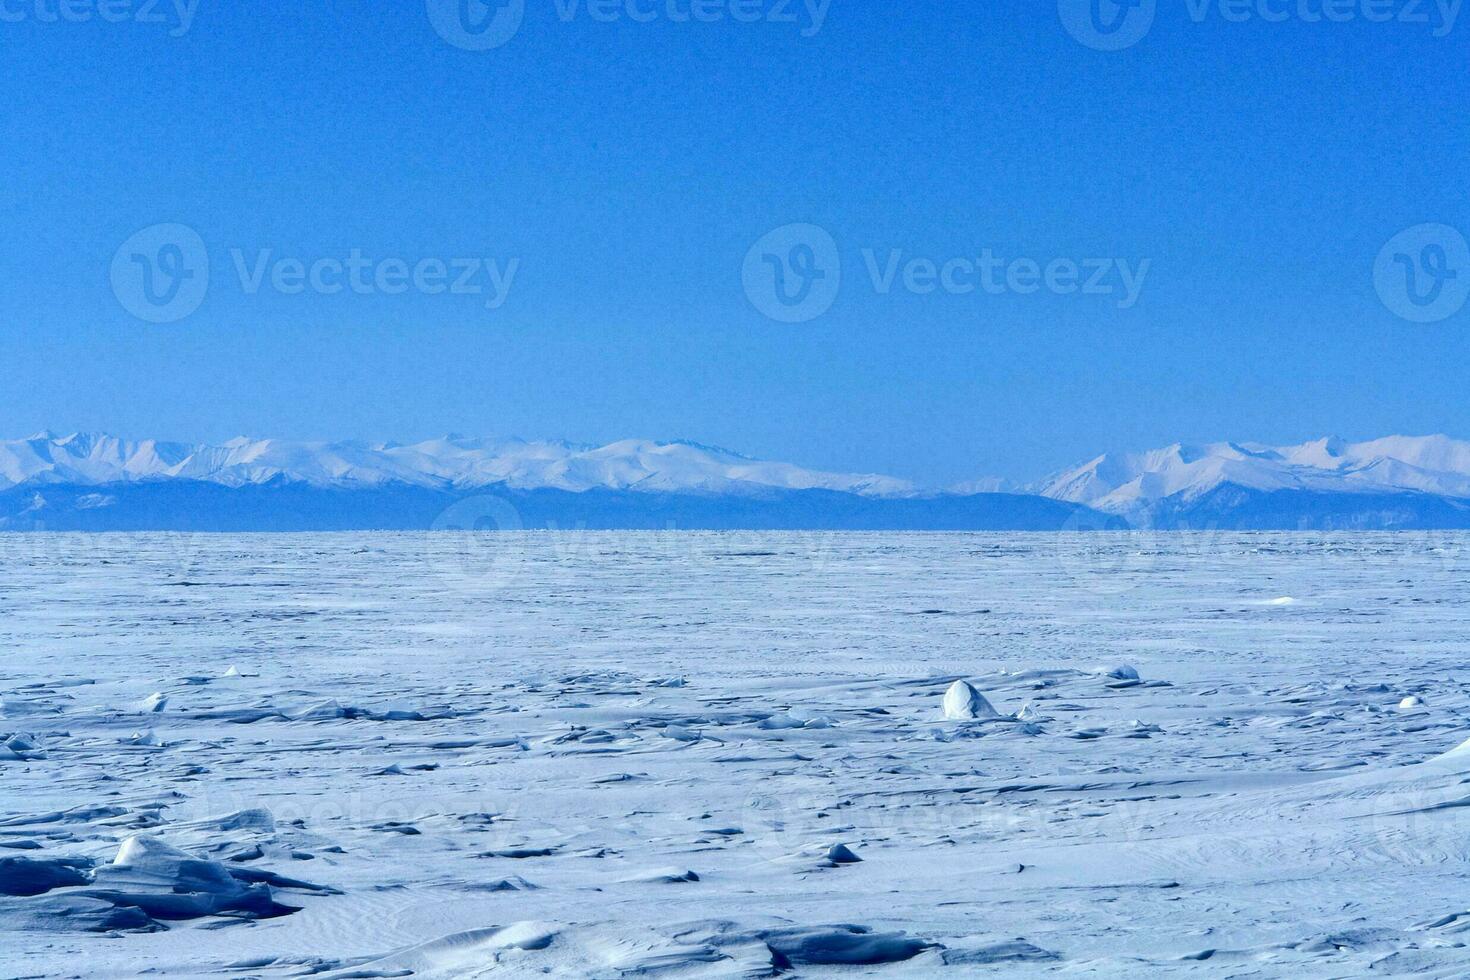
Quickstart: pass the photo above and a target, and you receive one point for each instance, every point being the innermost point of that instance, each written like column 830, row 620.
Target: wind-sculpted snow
column 640, row 755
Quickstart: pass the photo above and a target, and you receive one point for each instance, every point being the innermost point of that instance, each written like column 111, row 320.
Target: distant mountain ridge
column 94, row 482
column 102, row 482
column 454, row 463
column 1435, row 465
column 1391, row 482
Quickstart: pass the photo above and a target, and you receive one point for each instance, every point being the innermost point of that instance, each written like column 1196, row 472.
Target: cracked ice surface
column 712, row 755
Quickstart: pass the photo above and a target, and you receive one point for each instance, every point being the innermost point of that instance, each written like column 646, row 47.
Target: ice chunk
column 26, row 748
column 836, row 945
column 169, row 884
column 66, row 911
column 24, row 876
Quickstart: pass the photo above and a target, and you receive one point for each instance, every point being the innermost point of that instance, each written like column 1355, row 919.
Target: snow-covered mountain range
column 103, row 483
column 1123, row 484
column 449, row 463
column 100, row 482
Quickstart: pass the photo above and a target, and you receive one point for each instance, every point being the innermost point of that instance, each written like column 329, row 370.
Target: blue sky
column 616, row 174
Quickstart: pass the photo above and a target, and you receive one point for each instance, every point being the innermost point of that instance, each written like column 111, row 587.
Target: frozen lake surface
column 726, row 755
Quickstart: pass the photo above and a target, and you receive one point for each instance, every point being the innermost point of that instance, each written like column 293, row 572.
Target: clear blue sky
column 628, row 168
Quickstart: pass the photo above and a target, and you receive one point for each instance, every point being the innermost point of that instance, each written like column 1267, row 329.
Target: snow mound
column 666, row 876
column 723, row 949
column 963, row 703
column 1457, row 754
column 1014, row 951
column 541, row 948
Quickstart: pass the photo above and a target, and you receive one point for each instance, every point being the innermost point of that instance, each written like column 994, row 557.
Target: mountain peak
column 1435, row 465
